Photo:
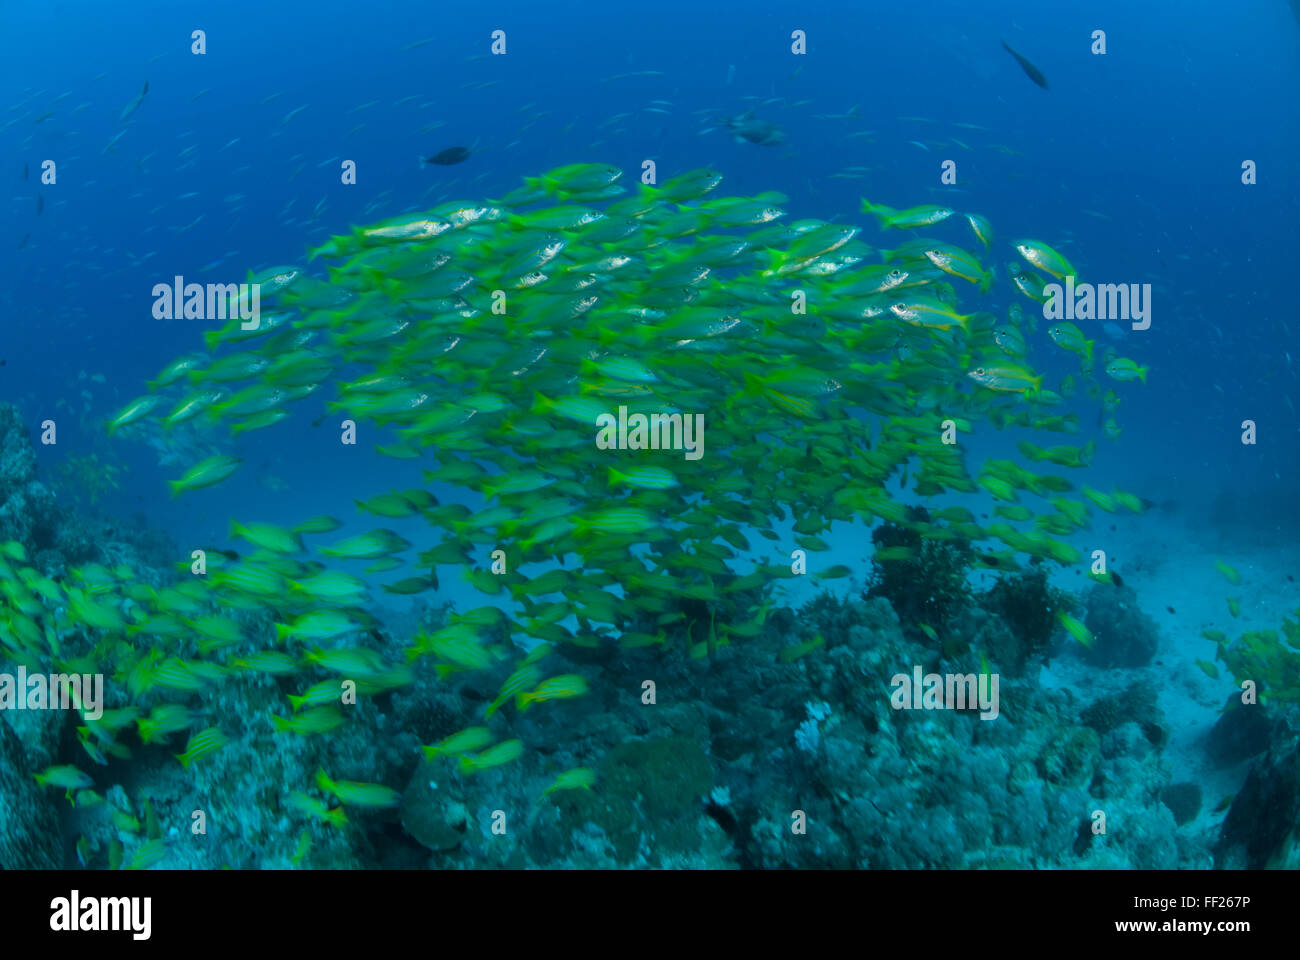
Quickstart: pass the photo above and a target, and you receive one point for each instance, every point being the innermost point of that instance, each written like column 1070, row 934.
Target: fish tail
column 281, row 724
column 881, row 212
column 177, row 487
column 541, row 404
column 753, row 386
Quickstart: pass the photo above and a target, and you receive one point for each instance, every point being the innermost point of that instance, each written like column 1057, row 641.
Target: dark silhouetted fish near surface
column 451, row 155
column 1031, row 71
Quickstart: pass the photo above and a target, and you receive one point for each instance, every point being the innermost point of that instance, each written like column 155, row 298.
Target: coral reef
column 1123, row 635
column 1020, row 619
column 1262, row 828
column 1241, row 732
column 928, row 585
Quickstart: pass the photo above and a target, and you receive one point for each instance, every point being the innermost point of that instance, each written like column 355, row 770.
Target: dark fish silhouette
column 134, row 105
column 748, row 128
column 1031, row 71
column 449, row 156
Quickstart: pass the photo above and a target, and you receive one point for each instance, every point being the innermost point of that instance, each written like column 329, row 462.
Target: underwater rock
column 667, row 777
column 17, row 457
column 1262, row 828
column 988, row 633
column 1124, row 635
column 1136, row 704
column 931, row 588
column 432, row 810
column 1183, row 801
column 28, row 510
column 1027, row 606
column 1240, row 732
column 1071, row 758
column 29, row 827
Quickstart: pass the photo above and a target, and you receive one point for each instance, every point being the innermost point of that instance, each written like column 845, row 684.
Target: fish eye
column 979, row 371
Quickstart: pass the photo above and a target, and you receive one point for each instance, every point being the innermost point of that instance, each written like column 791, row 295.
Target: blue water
column 1152, row 135
column 1131, row 164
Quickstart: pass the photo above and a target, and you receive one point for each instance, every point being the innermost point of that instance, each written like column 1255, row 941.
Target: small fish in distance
column 1031, row 71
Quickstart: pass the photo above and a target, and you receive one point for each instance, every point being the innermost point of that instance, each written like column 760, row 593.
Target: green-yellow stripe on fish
column 1229, row 574
column 205, row 474
column 202, row 744
column 315, row 807
column 502, row 753
column 366, row 546
column 1045, row 258
column 133, row 411
column 923, row 216
column 268, row 536
column 559, row 687
column 469, row 739
column 327, row 691
column 318, row 625
column 319, row 720
column 1075, row 628
column 579, row 778
column 355, row 794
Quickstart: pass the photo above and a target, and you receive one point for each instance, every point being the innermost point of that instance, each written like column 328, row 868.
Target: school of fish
column 484, row 340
